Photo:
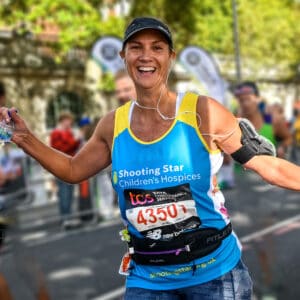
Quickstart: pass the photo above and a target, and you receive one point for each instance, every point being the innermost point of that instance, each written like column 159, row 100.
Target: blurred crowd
column 90, row 200
column 269, row 120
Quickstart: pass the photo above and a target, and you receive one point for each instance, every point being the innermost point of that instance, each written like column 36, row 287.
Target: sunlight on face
column 148, row 58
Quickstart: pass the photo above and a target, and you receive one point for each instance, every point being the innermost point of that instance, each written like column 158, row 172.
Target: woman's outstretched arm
column 92, row 158
column 226, row 134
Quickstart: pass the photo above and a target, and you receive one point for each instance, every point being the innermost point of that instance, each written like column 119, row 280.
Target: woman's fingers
column 8, row 114
column 13, row 113
column 5, row 114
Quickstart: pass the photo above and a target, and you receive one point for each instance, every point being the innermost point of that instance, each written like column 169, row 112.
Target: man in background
column 253, row 108
column 124, row 91
column 124, row 87
column 63, row 139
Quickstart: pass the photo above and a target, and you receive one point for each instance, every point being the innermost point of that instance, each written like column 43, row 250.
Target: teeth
column 146, row 69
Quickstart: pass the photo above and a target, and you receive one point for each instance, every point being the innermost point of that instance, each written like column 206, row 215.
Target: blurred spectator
column 2, row 94
column 124, row 91
column 4, row 289
column 278, row 119
column 102, row 189
column 84, row 127
column 10, row 166
column 10, row 171
column 124, row 87
column 270, row 125
column 86, row 193
column 296, row 128
column 63, row 139
column 296, row 134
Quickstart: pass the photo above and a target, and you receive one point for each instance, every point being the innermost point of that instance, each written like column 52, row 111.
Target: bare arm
column 92, row 158
column 227, row 136
column 276, row 171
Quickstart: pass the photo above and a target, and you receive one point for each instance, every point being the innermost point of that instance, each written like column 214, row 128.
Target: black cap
column 247, row 87
column 142, row 23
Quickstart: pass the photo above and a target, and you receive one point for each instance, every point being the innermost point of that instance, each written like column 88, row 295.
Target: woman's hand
column 21, row 130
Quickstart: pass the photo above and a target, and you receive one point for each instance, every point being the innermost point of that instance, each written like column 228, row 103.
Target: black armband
column 253, row 144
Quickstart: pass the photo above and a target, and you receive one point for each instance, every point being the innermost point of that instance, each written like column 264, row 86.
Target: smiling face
column 148, row 58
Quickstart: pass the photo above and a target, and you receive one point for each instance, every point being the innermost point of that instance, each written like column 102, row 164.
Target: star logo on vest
column 115, row 177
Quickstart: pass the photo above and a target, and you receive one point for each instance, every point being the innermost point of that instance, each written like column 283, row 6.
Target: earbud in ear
column 172, row 63
column 125, row 63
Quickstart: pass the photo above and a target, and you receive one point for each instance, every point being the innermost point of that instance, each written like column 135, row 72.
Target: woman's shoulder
column 110, row 116
column 104, row 129
column 208, row 104
column 106, row 125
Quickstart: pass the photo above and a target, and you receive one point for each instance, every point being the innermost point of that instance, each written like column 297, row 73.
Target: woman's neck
column 162, row 103
column 151, row 97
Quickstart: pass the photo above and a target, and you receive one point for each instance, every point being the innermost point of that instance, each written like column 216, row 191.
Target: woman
column 165, row 150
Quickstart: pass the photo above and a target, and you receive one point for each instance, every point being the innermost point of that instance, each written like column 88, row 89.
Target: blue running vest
column 168, row 186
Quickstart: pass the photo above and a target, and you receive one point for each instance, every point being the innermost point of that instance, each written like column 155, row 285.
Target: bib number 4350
column 160, row 214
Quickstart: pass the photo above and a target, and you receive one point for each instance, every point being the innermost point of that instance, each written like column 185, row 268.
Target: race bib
column 162, row 213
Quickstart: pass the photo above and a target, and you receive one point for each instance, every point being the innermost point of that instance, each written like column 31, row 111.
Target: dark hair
column 2, row 89
column 246, row 87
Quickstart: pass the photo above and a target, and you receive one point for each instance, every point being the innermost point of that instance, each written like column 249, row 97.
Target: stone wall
column 32, row 80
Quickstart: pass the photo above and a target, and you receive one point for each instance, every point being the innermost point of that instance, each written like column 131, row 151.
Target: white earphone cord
column 167, row 118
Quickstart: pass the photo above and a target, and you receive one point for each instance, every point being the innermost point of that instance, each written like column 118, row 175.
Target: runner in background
column 269, row 124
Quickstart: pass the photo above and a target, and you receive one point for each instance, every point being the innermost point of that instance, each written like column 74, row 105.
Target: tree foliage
column 268, row 29
column 79, row 22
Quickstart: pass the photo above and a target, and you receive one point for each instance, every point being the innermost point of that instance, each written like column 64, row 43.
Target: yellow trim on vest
column 154, row 141
column 121, row 118
column 188, row 114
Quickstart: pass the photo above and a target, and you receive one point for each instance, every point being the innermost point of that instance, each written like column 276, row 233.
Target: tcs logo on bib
column 140, row 199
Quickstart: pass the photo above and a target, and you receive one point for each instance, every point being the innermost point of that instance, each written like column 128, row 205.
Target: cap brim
column 144, row 28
